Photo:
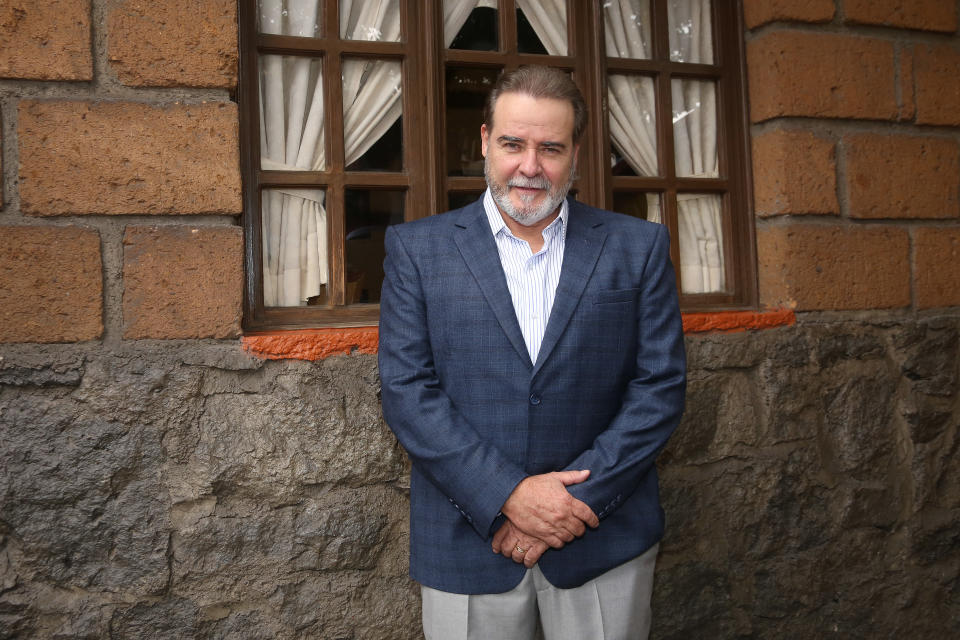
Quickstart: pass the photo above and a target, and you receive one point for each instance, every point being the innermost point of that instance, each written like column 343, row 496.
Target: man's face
column 529, row 156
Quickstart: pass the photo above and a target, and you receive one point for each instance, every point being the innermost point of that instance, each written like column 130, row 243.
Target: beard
column 527, row 214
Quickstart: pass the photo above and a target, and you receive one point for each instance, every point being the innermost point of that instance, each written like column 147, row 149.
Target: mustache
column 529, row 183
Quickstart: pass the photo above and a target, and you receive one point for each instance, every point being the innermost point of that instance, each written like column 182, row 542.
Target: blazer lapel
column 479, row 250
column 585, row 238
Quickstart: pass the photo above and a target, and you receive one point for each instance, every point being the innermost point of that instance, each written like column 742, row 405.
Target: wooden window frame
column 424, row 176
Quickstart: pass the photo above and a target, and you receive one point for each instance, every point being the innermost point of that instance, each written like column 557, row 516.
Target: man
column 532, row 365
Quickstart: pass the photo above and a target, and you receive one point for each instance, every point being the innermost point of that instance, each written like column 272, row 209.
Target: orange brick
column 794, row 172
column 821, row 75
column 937, row 266
column 759, row 12
column 905, row 86
column 47, row 40
column 52, row 284
column 182, row 282
column 122, row 157
column 901, row 176
column 170, row 43
column 929, row 15
column 937, row 77
column 818, row 267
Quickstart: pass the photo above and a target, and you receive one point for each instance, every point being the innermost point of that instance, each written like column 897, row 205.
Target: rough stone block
column 929, row 15
column 937, row 266
column 794, row 172
column 52, row 284
column 170, row 43
column 901, row 176
column 815, row 267
column 936, row 70
column 47, row 40
column 122, row 157
column 182, row 282
column 795, row 73
column 760, row 12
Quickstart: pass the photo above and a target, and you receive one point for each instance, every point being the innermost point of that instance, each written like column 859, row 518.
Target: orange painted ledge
column 317, row 344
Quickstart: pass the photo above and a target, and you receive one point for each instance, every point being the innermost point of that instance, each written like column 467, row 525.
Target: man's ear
column 484, row 140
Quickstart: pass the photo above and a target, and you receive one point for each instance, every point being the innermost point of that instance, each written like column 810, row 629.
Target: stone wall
column 157, row 481
column 186, row 490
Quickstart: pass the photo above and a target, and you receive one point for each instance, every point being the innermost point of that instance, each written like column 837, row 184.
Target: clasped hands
column 541, row 514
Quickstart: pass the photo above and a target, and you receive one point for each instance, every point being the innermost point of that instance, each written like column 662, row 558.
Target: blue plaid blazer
column 476, row 416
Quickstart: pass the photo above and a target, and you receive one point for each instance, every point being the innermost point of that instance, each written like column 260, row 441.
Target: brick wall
column 121, row 190
column 855, row 108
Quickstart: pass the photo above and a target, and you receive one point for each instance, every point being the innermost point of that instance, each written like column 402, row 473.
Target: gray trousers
column 613, row 606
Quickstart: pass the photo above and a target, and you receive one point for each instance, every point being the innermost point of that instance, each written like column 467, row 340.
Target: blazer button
column 534, row 399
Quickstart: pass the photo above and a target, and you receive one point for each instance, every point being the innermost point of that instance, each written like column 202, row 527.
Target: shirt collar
column 496, row 220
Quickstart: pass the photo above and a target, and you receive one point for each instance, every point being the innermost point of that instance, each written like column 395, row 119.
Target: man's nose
column 530, row 162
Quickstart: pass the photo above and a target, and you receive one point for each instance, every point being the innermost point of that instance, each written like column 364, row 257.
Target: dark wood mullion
column 249, row 113
column 665, row 152
column 466, row 183
column 648, row 67
column 334, row 138
column 433, row 73
column 594, row 167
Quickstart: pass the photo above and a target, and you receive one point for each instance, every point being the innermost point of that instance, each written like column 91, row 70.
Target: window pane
column 542, row 27
column 466, row 91
column 691, row 34
column 701, row 242
column 695, row 128
column 470, row 25
column 294, row 237
column 638, row 204
column 365, row 20
column 633, row 124
column 372, row 108
column 369, row 213
column 627, row 29
column 289, row 18
column 457, row 199
column 291, row 113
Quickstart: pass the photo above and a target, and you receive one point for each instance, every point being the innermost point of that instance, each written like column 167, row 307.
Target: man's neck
column 532, row 234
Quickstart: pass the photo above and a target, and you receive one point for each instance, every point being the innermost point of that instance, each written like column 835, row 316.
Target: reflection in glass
column 691, row 33
column 291, row 113
column 371, row 110
column 457, row 199
column 293, row 227
column 289, row 17
column 373, row 20
column 695, row 128
column 633, row 122
column 470, row 25
column 700, row 233
column 627, row 29
column 368, row 214
column 466, row 91
column 638, row 204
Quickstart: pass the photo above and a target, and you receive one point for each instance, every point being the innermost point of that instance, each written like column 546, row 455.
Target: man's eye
column 550, row 151
column 511, row 146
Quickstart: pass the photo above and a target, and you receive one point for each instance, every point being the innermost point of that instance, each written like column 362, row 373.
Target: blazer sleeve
column 475, row 475
column 653, row 402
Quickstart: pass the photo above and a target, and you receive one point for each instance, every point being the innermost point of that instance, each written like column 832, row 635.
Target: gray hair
column 540, row 82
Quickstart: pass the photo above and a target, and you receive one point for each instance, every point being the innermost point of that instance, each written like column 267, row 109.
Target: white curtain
column 633, row 127
column 695, row 148
column 294, row 221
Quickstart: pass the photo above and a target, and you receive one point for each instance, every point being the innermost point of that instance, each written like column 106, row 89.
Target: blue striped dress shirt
column 531, row 278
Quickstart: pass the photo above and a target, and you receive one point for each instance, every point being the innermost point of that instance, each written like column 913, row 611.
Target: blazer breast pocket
column 614, row 296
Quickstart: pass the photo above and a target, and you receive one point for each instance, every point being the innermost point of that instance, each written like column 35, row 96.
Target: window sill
column 317, row 344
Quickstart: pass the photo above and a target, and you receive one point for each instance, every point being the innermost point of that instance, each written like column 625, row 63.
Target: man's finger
column 498, row 538
column 582, row 511
column 572, row 477
column 533, row 554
